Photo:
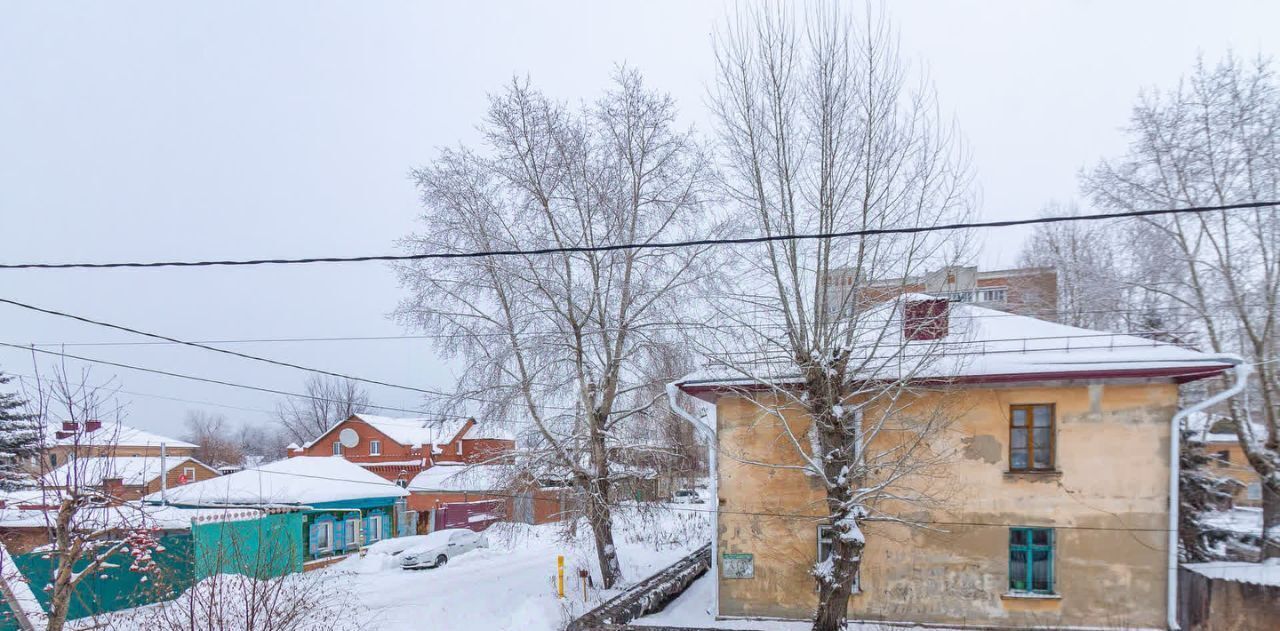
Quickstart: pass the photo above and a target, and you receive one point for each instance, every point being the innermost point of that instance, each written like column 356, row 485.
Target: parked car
column 438, row 547
column 686, row 496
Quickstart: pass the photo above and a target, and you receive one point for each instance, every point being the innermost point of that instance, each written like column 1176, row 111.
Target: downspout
column 712, row 447
column 1242, row 371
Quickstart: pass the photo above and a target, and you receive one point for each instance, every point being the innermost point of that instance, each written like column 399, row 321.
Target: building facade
column 398, row 449
column 1031, row 291
column 1053, row 490
column 100, row 439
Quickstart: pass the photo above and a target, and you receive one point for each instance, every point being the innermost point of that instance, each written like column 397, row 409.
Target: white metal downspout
column 1242, row 371
column 712, row 448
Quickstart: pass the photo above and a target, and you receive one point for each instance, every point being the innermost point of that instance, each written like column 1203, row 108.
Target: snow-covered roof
column 117, row 434
column 489, row 430
column 132, row 470
column 413, row 432
column 1240, row 571
column 127, row 515
column 460, row 477
column 982, row 344
column 299, row 480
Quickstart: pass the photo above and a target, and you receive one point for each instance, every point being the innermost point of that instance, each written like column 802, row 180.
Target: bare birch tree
column 1215, row 140
column 327, row 401
column 823, row 129
column 561, row 341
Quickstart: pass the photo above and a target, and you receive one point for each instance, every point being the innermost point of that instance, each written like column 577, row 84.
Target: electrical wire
column 652, row 245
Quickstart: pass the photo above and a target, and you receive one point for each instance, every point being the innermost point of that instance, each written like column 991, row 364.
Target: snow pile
column 1239, row 571
column 298, row 480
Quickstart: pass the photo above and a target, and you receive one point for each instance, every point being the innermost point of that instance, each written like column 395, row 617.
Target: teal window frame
column 1022, row 572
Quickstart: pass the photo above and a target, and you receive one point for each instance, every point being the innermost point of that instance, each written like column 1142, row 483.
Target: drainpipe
column 712, row 447
column 1242, row 372
column 164, row 476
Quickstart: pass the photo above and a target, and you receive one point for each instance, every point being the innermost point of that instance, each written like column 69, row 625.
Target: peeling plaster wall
column 1108, row 503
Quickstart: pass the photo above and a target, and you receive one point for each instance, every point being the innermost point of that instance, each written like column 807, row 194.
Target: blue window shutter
column 386, row 526
column 339, row 540
column 314, row 533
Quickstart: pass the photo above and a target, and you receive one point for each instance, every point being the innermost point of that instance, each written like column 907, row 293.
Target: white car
column 438, row 547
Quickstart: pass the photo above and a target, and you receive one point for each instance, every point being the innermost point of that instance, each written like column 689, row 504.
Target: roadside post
column 560, row 575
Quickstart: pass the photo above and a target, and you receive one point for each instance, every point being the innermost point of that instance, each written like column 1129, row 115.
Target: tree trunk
column 600, row 518
column 834, row 590
column 1270, row 522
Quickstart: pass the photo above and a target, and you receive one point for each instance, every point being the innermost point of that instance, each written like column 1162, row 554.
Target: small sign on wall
column 737, row 565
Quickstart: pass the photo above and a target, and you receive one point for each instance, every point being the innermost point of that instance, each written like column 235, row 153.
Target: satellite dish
column 349, row 438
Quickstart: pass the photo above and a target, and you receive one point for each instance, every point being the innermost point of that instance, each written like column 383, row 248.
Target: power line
column 666, row 326
column 204, row 379
column 653, row 245
column 215, row 349
column 166, row 398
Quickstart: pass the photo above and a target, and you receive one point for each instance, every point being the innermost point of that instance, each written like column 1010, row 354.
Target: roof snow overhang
column 711, row 389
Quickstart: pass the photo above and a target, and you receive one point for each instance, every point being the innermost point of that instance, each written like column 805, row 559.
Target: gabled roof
column 410, row 432
column 983, row 345
column 132, row 470
column 117, row 434
column 299, row 480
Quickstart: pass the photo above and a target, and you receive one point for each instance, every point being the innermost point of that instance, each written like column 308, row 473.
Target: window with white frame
column 352, row 534
column 337, row 448
column 324, row 536
column 375, row 448
column 189, row 473
column 826, row 543
column 375, row 528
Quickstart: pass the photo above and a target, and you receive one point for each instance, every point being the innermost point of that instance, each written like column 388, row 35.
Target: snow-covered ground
column 692, row 609
column 509, row 585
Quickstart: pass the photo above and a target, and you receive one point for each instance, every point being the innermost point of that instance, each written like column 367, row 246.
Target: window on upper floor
column 1031, row 429
column 1223, row 457
column 375, row 448
column 1031, row 560
column 337, row 448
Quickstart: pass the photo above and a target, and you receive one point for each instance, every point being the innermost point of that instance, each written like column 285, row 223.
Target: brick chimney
column 70, row 426
column 925, row 319
column 92, row 426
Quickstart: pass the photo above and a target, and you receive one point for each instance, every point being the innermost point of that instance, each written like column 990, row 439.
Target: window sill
column 1033, row 475
column 1029, row 596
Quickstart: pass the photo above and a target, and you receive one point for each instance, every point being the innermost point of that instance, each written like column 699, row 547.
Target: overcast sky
column 161, row 130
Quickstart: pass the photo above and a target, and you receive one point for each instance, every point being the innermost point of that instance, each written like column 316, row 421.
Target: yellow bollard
column 560, row 575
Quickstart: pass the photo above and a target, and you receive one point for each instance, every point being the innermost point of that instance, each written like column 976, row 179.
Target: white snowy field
column 509, row 585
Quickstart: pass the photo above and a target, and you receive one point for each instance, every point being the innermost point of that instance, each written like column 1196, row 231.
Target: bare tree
column 327, row 401
column 87, row 525
column 561, row 340
column 215, row 440
column 1090, row 286
column 821, row 129
column 1215, row 140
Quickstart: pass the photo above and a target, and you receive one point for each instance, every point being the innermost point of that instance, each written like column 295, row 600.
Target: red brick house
column 398, row 449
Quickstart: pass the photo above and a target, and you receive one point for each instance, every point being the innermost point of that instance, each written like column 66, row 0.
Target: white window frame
column 190, row 473
column 825, row 532
column 352, row 535
column 375, row 528
column 1253, row 491
column 375, row 448
column 337, row 448
column 326, row 527
column 459, row 447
